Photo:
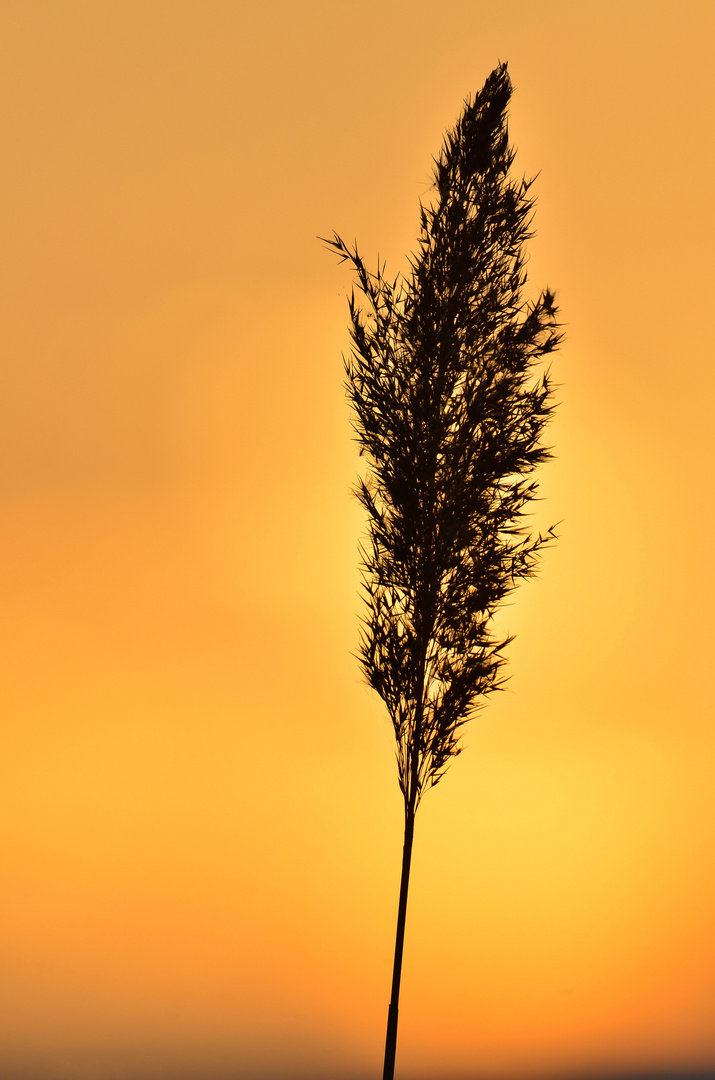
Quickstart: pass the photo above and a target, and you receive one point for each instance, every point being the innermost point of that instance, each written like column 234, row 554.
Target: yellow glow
column 201, row 827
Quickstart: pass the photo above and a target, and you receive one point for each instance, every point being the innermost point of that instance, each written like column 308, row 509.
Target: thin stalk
column 391, row 1039
column 411, row 800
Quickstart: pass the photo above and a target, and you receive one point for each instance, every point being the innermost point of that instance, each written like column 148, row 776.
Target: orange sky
column 201, row 825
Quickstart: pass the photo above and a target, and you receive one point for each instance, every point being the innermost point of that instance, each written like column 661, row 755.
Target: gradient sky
column 200, row 822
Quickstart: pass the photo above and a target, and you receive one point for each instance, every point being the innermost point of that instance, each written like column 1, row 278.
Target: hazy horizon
column 201, row 826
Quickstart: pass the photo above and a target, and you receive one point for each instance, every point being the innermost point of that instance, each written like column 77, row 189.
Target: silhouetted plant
column 449, row 412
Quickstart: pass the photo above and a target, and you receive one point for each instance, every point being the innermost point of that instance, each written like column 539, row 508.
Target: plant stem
column 391, row 1039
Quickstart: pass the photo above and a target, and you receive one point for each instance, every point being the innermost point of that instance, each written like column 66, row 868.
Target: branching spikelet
column 449, row 411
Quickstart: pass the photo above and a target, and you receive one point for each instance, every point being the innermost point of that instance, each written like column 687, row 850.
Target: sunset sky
column 200, row 826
